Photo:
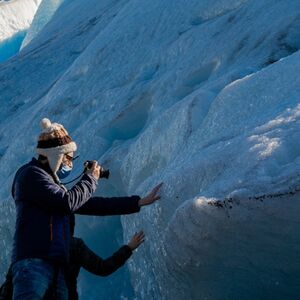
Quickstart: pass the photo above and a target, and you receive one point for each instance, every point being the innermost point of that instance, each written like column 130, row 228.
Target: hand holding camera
column 92, row 167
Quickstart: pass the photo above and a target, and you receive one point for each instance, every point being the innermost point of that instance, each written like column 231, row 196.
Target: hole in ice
column 196, row 78
column 129, row 122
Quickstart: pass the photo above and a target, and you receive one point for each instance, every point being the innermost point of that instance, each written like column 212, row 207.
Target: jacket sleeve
column 102, row 267
column 99, row 206
column 44, row 192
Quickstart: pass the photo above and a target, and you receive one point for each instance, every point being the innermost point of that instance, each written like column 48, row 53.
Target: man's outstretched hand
column 151, row 197
column 136, row 240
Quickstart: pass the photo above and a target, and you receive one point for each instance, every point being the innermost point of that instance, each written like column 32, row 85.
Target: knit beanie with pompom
column 53, row 143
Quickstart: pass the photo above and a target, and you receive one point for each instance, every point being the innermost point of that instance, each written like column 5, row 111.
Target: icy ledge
column 233, row 247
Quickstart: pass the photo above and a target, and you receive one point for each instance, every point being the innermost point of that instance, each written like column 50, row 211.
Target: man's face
column 68, row 159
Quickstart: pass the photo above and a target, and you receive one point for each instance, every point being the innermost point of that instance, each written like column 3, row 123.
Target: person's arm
column 41, row 190
column 102, row 267
column 100, row 206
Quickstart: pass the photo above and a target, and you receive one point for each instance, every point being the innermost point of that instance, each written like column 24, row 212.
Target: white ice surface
column 202, row 95
column 16, row 15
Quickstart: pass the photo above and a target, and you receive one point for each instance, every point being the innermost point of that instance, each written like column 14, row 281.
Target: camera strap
column 64, row 183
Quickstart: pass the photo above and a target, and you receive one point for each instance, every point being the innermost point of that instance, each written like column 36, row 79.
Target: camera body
column 103, row 173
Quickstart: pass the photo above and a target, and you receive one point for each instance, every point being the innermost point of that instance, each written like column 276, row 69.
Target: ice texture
column 200, row 95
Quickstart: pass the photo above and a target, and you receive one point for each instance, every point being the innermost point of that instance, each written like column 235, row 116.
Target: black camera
column 103, row 173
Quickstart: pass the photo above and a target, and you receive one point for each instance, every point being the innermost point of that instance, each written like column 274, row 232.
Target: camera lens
column 104, row 174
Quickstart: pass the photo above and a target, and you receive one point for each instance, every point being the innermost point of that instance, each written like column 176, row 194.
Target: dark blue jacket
column 44, row 209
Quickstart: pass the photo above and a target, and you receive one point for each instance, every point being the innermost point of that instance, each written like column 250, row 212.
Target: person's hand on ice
column 136, row 240
column 151, row 197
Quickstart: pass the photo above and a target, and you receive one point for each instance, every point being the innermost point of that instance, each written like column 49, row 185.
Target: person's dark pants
column 33, row 277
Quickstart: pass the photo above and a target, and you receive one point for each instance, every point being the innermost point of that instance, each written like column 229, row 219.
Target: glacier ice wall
column 202, row 95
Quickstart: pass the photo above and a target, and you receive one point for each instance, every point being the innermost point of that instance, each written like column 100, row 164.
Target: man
column 41, row 240
column 44, row 206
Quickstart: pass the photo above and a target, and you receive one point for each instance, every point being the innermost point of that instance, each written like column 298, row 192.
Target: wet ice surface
column 202, row 96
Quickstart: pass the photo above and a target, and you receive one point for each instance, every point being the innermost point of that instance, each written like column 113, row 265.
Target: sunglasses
column 71, row 158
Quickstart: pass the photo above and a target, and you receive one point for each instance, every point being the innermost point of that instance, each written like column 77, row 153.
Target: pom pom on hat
column 45, row 123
